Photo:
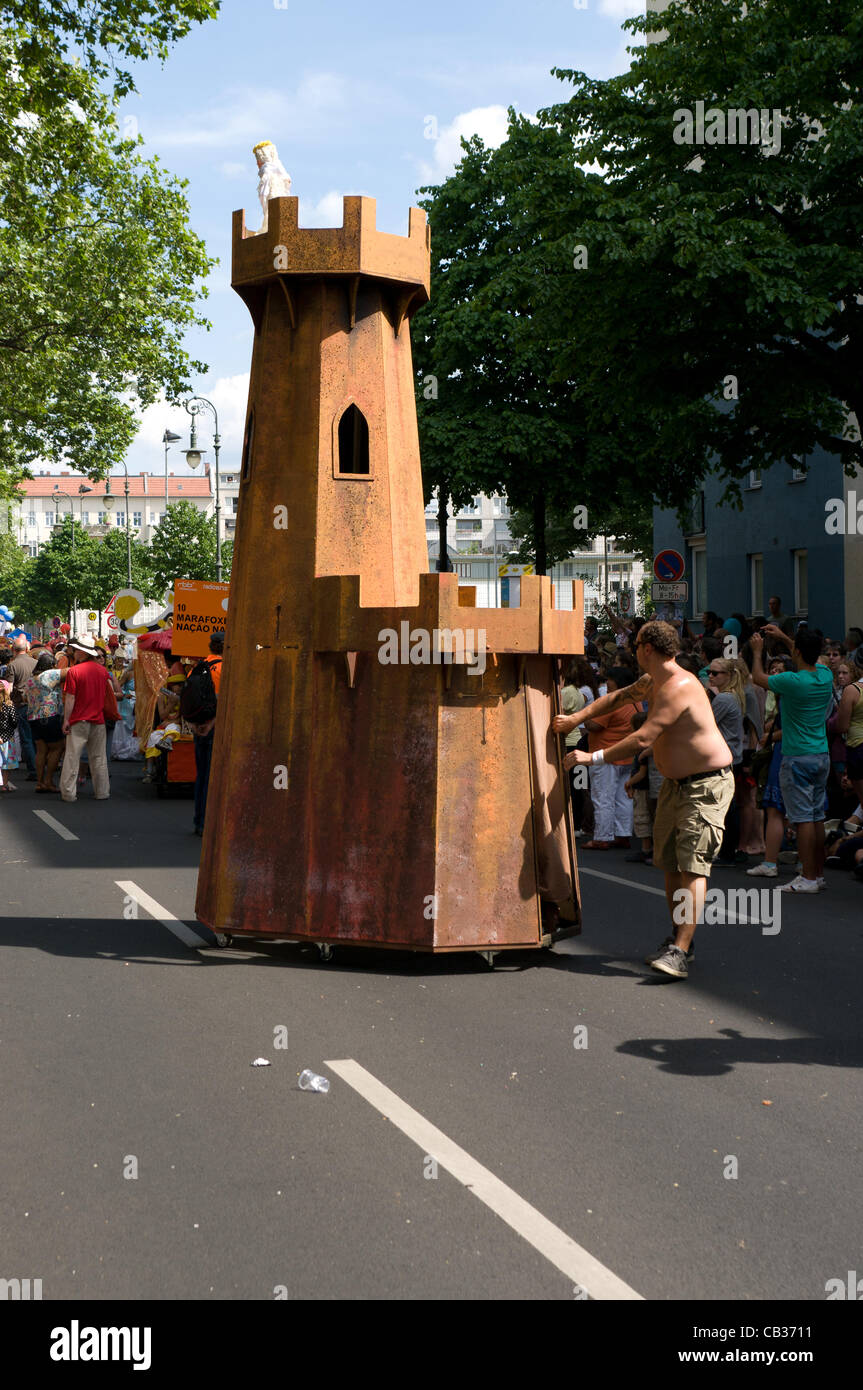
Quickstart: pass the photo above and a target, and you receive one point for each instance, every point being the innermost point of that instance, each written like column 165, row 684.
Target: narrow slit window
column 248, row 446
column 353, row 442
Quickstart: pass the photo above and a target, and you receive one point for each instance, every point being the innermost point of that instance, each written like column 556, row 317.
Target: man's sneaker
column 672, row 962
column 763, row 871
column 801, row 885
column 822, row 884
column 669, row 941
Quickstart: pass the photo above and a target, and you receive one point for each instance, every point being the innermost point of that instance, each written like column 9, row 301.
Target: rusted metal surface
column 413, row 805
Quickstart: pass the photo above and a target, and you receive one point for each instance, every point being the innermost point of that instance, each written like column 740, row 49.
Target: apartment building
column 100, row 507
column 479, row 545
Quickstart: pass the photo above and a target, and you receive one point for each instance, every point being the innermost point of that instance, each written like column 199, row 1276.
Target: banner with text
column 200, row 608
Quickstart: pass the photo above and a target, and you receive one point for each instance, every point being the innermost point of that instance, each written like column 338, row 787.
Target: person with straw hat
column 84, row 695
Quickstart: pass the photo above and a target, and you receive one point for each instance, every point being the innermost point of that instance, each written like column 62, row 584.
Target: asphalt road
column 121, row 1047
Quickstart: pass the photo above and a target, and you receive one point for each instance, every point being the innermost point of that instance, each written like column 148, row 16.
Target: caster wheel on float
column 325, row 951
column 222, row 940
column 489, row 958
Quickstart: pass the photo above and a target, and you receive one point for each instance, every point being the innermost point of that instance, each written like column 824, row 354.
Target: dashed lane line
column 161, row 914
column 728, row 916
column 554, row 1244
column 55, row 825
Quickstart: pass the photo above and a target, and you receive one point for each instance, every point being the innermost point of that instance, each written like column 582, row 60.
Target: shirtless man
column 695, row 761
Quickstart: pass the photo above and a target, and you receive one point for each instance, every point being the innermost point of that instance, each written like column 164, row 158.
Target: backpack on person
column 198, row 699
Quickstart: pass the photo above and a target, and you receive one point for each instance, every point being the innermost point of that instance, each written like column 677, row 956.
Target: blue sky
column 344, row 90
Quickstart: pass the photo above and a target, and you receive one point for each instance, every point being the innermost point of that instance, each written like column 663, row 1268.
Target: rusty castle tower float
column 413, row 806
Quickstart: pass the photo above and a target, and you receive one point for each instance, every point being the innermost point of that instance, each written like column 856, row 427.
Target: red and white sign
column 113, row 620
column 669, row 565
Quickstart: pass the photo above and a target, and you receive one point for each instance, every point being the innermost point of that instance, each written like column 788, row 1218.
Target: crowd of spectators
column 786, row 698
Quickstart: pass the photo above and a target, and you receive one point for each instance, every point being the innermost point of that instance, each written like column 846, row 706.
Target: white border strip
column 615, row 878
column 557, row 1247
column 161, row 914
column 729, row 919
column 55, row 825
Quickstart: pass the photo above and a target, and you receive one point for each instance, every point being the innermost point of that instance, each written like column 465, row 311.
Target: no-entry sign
column 669, row 565
column 200, row 608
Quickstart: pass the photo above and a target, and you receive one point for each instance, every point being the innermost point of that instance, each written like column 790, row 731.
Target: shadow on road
column 719, row 1055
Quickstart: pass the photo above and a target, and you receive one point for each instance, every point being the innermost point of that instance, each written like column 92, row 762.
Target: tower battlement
column 355, row 248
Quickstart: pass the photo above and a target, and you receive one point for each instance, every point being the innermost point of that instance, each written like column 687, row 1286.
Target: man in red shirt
column 84, row 719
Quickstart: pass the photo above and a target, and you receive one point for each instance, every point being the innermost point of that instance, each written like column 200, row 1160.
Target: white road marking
column 557, row 1247
column 615, row 878
column 729, row 917
column 55, row 825
column 161, row 914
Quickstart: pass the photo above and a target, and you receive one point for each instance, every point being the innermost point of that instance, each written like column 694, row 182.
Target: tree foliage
column 615, row 315
column 99, row 271
column 13, row 564
column 183, row 546
column 721, row 316
column 108, row 571
column 502, row 418
column 59, row 576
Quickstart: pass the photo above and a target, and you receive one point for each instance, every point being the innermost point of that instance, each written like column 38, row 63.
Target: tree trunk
column 539, row 546
column 443, row 560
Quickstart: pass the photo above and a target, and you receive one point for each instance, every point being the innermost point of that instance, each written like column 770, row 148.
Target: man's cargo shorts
column 690, row 821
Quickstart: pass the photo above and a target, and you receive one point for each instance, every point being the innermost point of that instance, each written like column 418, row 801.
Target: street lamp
column 108, row 500
column 58, row 494
column 194, row 457
column 168, row 438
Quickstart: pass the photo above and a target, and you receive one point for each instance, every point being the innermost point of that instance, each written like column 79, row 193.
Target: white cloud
column 233, row 169
column 328, row 211
column 489, row 122
column 228, row 394
column 245, row 115
column 621, row 9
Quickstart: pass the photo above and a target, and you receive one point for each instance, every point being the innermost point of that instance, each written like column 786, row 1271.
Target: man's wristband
column 598, row 756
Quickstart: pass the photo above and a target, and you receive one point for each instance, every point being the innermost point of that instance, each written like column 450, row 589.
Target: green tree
column 718, row 317
column 567, row 531
column 59, row 575
column 99, row 271
column 183, row 547
column 491, row 419
column 109, row 570
column 501, row 415
column 13, row 570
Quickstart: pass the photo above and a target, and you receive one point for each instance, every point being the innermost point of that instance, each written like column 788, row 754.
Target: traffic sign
column 669, row 565
column 669, row 593
column 55, row 622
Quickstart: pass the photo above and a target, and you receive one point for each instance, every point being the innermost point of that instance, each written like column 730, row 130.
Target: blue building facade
column 780, row 542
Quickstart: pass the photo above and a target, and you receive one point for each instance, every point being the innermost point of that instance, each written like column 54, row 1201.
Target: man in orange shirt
column 612, row 808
